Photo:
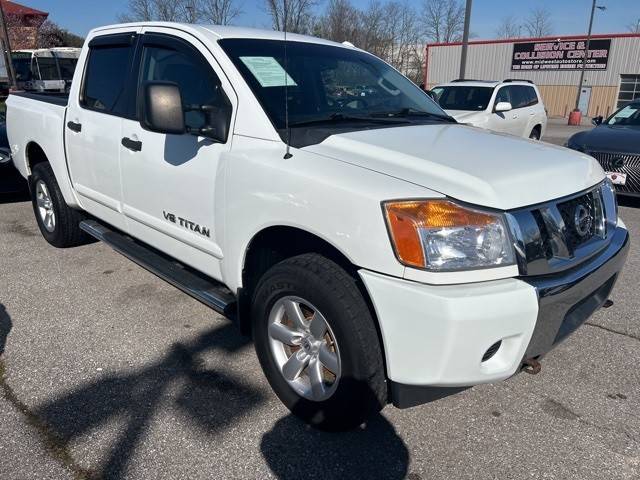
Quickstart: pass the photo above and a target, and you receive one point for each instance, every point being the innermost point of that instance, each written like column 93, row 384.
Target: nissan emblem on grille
column 582, row 220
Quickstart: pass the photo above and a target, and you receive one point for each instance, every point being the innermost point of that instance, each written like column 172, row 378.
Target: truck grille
column 568, row 211
column 621, row 163
column 558, row 235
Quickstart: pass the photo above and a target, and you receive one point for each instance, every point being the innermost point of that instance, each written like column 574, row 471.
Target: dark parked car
column 615, row 143
column 10, row 180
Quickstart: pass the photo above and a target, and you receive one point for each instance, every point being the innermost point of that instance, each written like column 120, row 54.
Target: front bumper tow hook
column 531, row 366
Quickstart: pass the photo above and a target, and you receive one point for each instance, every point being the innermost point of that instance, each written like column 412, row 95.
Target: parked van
column 45, row 70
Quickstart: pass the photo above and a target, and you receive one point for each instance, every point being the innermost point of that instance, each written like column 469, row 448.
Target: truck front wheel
column 58, row 223
column 317, row 343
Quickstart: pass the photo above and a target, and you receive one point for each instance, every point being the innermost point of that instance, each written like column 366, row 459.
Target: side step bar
column 213, row 294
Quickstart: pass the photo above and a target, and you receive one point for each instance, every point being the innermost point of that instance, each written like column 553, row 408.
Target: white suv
column 511, row 106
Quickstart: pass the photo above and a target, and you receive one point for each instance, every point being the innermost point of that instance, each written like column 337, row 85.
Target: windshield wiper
column 340, row 117
column 411, row 112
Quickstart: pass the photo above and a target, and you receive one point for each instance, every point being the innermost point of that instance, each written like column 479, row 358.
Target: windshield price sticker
column 268, row 71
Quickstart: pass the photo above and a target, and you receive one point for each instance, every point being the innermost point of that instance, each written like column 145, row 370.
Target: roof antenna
column 287, row 154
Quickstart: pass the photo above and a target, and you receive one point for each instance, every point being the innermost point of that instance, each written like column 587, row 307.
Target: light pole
column 7, row 49
column 586, row 51
column 465, row 39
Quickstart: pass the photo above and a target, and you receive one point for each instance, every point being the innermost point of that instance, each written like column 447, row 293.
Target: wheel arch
column 34, row 154
column 268, row 247
column 537, row 126
column 276, row 243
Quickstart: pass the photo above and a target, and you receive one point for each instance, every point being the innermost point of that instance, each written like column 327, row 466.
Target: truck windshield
column 328, row 86
column 463, row 97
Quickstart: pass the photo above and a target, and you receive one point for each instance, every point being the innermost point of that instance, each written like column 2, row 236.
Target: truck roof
column 218, row 32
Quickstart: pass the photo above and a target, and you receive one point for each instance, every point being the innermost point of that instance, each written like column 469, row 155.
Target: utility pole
column 465, row 39
column 586, row 51
column 6, row 50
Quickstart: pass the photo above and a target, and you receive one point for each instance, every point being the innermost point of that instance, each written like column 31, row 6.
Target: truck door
column 172, row 184
column 97, row 104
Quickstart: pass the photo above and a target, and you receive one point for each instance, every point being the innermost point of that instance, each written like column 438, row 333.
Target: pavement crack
column 607, row 329
column 52, row 443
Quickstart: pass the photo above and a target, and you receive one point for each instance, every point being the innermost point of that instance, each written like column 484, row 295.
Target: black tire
column 535, row 133
column 361, row 390
column 66, row 232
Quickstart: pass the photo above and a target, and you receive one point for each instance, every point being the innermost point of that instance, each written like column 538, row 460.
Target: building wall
column 23, row 38
column 561, row 99
column 492, row 61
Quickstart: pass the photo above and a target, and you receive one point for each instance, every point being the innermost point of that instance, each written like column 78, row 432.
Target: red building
column 22, row 24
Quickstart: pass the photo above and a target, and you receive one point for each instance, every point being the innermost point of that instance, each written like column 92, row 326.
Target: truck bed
column 36, row 122
column 61, row 99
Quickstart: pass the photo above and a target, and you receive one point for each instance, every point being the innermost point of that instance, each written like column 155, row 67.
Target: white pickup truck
column 376, row 250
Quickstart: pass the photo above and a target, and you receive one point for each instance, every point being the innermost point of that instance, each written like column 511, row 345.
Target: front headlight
column 441, row 235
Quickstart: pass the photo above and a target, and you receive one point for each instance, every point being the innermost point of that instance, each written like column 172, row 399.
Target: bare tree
column 189, row 11
column 220, row 12
column 403, row 37
column 340, row 22
column 634, row 27
column 538, row 23
column 442, row 20
column 389, row 30
column 509, row 28
column 162, row 10
column 374, row 36
column 138, row 10
column 50, row 35
column 299, row 15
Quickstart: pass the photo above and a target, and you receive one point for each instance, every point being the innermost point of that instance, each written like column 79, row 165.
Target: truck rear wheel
column 58, row 223
column 317, row 343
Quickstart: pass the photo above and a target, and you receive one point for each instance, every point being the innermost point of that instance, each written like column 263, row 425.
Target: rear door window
column 519, row 96
column 532, row 96
column 106, row 78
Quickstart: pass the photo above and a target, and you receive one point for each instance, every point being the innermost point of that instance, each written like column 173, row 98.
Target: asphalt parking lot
column 108, row 372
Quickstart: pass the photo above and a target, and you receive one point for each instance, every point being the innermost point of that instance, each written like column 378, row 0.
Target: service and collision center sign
column 561, row 55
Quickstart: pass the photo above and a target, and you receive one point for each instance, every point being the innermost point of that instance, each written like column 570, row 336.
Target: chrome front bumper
column 568, row 299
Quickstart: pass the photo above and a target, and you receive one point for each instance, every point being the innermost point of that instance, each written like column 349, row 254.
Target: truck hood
column 466, row 163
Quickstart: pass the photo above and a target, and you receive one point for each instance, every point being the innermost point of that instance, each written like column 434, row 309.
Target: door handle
column 132, row 145
column 76, row 127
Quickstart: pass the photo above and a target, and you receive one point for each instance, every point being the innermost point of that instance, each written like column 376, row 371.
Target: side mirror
column 162, row 110
column 503, row 107
column 597, row 120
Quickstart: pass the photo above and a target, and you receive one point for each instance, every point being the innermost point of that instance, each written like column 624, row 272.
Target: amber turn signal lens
column 406, row 219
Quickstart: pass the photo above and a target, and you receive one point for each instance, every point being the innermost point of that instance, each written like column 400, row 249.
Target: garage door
column 629, row 89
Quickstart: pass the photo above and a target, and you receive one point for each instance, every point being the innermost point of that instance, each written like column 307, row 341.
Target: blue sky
column 569, row 16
